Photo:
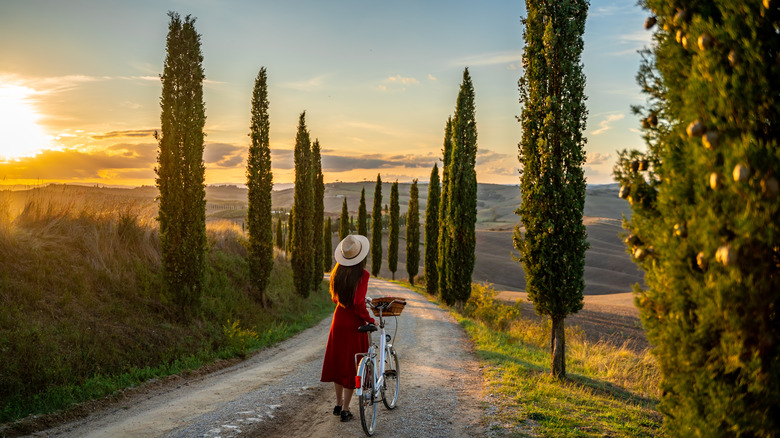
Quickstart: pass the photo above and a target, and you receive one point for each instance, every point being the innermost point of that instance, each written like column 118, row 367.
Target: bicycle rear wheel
column 392, row 380
column 366, row 400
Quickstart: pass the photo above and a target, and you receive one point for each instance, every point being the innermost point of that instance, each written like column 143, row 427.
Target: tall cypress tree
column 344, row 220
column 259, row 182
column 376, row 229
column 413, row 233
column 319, row 214
column 180, row 170
column 705, row 222
column 551, row 156
column 288, row 248
column 462, row 205
column 432, row 233
column 303, row 212
column 327, row 247
column 444, row 205
column 362, row 225
column 279, row 234
column 392, row 243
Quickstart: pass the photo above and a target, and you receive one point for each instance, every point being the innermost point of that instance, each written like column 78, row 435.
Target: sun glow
column 20, row 133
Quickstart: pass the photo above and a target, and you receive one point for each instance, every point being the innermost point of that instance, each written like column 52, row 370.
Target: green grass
column 609, row 391
column 85, row 314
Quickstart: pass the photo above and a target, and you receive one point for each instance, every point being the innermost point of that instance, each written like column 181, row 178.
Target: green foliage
column 327, row 247
column 483, row 306
column 432, row 233
column 344, row 220
column 392, row 244
column 444, row 212
column 413, row 233
column 362, row 225
column 279, row 234
column 705, row 223
column 376, row 229
column 239, row 339
column 180, row 170
column 259, row 182
column 551, row 154
column 289, row 232
column 462, row 198
column 319, row 215
column 303, row 212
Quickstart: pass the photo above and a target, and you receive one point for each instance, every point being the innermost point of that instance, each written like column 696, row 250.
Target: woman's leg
column 339, row 396
column 347, row 398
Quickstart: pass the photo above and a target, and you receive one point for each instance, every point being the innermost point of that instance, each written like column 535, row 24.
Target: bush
column 482, row 306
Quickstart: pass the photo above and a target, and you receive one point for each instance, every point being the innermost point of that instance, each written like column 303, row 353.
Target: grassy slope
column 610, row 391
column 83, row 314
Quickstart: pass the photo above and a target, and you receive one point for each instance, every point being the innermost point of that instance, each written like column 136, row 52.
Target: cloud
column 493, row 58
column 125, row 133
column 223, row 154
column 495, row 163
column 343, row 163
column 635, row 41
column 402, row 80
column 594, row 158
column 397, row 83
column 432, row 77
column 306, row 85
column 611, row 10
column 604, row 125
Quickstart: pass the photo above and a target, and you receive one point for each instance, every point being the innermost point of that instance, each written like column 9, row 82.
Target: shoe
column 346, row 416
column 336, row 410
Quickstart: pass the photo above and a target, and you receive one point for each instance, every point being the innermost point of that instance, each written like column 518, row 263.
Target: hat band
column 360, row 249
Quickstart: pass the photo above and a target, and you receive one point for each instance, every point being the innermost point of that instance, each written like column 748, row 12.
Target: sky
column 80, row 86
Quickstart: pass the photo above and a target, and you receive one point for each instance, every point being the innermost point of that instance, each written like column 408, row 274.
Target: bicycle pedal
column 392, row 373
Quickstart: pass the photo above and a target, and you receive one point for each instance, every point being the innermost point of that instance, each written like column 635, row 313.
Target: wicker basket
column 394, row 309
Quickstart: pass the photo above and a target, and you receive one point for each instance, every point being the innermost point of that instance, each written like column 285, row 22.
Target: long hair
column 343, row 282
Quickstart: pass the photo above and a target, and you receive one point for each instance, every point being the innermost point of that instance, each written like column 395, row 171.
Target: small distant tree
column 327, row 247
column 279, row 234
column 413, row 233
column 362, row 225
column 319, row 213
column 705, row 214
column 259, row 182
column 376, row 229
column 392, row 244
column 180, row 170
column 303, row 210
column 432, row 233
column 553, row 241
column 444, row 219
column 344, row 220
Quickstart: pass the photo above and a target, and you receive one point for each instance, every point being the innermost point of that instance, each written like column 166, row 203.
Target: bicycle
column 378, row 376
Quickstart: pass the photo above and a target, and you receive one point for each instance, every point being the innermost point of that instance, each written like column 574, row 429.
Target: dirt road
column 277, row 392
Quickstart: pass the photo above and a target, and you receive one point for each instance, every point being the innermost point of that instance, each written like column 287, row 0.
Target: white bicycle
column 378, row 377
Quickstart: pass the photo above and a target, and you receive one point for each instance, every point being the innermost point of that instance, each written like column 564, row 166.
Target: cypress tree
column 413, row 233
column 392, row 244
column 289, row 232
column 180, row 170
column 279, row 234
column 705, row 222
column 327, row 247
column 432, row 233
column 319, row 214
column 551, row 156
column 362, row 225
column 462, row 205
column 444, row 219
column 259, row 182
column 344, row 220
column 376, row 229
column 303, row 212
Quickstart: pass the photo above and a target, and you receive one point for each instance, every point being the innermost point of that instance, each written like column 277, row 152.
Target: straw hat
column 352, row 250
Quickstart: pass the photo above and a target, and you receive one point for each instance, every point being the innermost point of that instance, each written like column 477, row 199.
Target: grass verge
column 609, row 391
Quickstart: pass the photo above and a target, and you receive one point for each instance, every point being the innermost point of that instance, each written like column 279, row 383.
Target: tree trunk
column 558, row 347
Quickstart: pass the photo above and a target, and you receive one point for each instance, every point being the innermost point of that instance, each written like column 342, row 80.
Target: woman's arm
column 359, row 304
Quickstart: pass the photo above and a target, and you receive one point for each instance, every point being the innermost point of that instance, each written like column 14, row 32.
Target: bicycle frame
column 379, row 369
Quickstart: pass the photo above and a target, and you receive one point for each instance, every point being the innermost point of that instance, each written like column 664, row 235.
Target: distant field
column 608, row 267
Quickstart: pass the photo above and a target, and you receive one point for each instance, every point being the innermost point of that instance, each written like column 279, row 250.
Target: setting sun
column 20, row 133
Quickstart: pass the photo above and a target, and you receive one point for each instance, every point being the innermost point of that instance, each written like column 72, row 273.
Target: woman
column 348, row 286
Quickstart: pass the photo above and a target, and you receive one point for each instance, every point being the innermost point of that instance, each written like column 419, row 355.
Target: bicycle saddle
column 367, row 328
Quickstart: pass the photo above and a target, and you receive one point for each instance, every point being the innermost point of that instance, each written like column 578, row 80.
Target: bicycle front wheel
column 366, row 399
column 392, row 380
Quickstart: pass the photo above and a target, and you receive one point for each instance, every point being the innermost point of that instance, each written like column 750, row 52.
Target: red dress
column 345, row 340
